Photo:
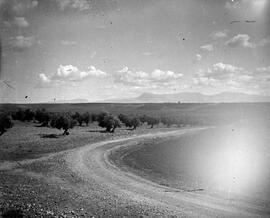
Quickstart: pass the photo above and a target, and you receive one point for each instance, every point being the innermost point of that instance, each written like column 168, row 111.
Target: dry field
column 142, row 173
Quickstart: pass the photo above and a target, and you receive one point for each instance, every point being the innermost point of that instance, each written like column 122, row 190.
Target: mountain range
column 192, row 97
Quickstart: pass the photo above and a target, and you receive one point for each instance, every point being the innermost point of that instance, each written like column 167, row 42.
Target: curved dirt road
column 85, row 179
column 116, row 189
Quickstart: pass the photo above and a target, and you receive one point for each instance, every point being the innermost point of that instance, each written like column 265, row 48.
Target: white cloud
column 198, row 57
column 73, row 4
column 240, row 40
column 208, row 47
column 264, row 42
column 219, row 74
column 69, row 73
column 144, row 79
column 68, row 42
column 148, row 53
column 18, row 22
column 22, row 42
column 164, row 75
column 232, row 4
column 34, row 3
column 21, row 7
column 21, row 22
column 44, row 81
column 93, row 54
column 228, row 77
column 218, row 35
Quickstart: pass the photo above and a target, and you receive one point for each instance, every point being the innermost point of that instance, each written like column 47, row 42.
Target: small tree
column 29, row 115
column 94, row 117
column 143, row 118
column 135, row 122
column 86, row 118
column 123, row 118
column 63, row 121
column 43, row 117
column 108, row 121
column 78, row 117
column 168, row 121
column 152, row 121
column 132, row 122
column 5, row 123
column 19, row 115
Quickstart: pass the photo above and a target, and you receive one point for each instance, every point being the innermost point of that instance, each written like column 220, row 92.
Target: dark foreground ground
column 35, row 180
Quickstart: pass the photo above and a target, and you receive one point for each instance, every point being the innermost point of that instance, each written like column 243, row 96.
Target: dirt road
column 94, row 184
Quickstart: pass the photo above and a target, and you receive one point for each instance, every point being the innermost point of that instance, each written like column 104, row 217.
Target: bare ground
column 81, row 181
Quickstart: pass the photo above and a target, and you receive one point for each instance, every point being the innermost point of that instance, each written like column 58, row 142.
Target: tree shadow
column 130, row 129
column 49, row 136
column 13, row 213
column 40, row 125
column 100, row 131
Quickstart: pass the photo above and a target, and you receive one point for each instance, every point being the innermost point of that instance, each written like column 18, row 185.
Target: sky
column 103, row 49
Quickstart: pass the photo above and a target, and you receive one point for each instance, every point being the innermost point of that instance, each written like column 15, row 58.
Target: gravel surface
column 85, row 182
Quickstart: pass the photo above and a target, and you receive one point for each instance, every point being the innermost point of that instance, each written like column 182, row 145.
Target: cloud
column 144, row 79
column 218, row 35
column 20, row 43
column 68, row 42
column 19, row 7
column 68, row 73
column 73, row 4
column 148, row 53
column 240, row 40
column 208, row 47
column 198, row 57
column 18, row 22
column 218, row 74
column 93, row 54
column 44, row 81
column 21, row 22
column 233, row 4
column 264, row 42
column 228, row 77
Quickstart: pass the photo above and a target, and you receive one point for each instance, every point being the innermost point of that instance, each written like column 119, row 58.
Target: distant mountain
column 192, row 97
column 71, row 101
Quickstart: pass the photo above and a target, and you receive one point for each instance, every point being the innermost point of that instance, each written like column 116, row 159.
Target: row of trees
column 66, row 121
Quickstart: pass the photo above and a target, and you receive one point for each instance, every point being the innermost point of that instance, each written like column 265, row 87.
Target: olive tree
column 5, row 123
column 42, row 116
column 108, row 121
column 63, row 121
column 132, row 122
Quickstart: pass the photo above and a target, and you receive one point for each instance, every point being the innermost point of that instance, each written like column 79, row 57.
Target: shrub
column 78, row 117
column 152, row 121
column 108, row 121
column 94, row 117
column 29, row 115
column 135, row 122
column 168, row 121
column 43, row 117
column 86, row 118
column 63, row 121
column 24, row 115
column 5, row 123
column 19, row 115
column 143, row 118
column 132, row 122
